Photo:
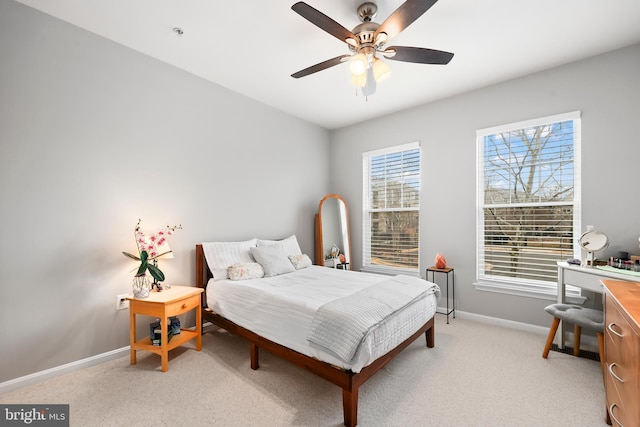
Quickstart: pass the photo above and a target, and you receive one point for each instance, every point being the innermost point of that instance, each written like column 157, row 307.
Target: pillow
column 245, row 270
column 273, row 260
column 290, row 245
column 222, row 255
column 300, row 261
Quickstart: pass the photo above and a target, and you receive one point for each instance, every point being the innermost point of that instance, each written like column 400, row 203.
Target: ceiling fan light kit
column 366, row 42
column 358, row 65
column 380, row 70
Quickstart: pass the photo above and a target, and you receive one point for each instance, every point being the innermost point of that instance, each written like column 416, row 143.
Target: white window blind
column 528, row 202
column 391, row 234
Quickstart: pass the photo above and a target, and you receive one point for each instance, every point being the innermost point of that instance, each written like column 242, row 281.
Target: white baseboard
column 587, row 342
column 503, row 322
column 36, row 377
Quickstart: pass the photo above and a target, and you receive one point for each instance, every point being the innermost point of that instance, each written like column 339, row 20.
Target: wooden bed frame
column 349, row 381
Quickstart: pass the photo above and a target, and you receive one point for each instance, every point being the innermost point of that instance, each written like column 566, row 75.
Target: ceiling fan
column 367, row 40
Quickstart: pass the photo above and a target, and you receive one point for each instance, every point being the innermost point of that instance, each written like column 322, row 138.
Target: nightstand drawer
column 178, row 307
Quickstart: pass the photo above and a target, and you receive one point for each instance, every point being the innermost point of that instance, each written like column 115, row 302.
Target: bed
column 292, row 314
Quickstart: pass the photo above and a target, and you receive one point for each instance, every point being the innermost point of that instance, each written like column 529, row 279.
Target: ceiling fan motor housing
column 367, row 11
column 365, row 33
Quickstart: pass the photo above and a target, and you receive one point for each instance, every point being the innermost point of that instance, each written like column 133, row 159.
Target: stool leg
column 552, row 334
column 601, row 351
column 577, row 330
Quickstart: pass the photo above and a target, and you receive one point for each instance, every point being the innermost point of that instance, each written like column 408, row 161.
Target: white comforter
column 282, row 308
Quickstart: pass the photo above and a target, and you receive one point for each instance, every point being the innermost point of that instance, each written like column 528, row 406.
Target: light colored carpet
column 477, row 375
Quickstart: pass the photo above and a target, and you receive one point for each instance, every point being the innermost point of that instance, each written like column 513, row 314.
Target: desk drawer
column 615, row 406
column 587, row 281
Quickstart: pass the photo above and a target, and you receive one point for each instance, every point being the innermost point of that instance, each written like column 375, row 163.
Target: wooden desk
column 162, row 305
column 588, row 278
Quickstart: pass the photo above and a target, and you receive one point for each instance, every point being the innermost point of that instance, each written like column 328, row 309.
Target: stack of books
column 155, row 331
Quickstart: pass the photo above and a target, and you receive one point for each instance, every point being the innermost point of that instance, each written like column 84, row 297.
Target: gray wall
column 605, row 88
column 93, row 136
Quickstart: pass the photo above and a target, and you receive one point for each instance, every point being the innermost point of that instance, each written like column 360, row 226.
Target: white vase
column 141, row 286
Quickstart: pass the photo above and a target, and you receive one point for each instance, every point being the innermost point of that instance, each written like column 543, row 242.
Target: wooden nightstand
column 162, row 305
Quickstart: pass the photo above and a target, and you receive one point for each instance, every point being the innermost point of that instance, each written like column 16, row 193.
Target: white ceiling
column 253, row 46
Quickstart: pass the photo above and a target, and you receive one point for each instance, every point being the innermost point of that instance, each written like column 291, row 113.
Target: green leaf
column 144, row 256
column 143, row 268
column 155, row 272
column 131, row 255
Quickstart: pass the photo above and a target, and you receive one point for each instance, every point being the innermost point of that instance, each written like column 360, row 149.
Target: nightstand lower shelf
column 176, row 341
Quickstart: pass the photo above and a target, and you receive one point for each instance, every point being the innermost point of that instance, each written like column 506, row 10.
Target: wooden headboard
column 203, row 273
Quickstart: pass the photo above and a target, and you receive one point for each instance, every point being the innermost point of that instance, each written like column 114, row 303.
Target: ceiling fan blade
column 417, row 54
column 403, row 16
column 322, row 21
column 321, row 66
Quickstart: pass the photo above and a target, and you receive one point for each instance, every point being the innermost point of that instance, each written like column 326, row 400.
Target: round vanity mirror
column 593, row 241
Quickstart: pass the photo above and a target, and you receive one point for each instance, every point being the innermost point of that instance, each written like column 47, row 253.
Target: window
column 391, row 227
column 528, row 204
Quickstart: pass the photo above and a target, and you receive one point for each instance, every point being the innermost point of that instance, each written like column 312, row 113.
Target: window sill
column 540, row 292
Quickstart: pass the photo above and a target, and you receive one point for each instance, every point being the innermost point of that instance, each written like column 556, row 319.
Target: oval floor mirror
column 333, row 243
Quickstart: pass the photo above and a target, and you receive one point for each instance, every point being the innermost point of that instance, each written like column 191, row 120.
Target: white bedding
column 281, row 309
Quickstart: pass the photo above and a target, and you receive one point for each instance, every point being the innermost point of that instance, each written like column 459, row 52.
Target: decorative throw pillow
column 300, row 261
column 245, row 271
column 290, row 245
column 273, row 260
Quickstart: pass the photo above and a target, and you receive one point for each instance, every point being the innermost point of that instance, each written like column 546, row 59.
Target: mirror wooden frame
column 319, row 243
